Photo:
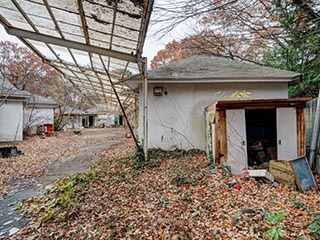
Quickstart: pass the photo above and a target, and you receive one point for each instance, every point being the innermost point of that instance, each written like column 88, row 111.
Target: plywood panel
column 287, row 134
column 236, row 140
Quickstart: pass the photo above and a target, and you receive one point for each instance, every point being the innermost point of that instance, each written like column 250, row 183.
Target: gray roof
column 8, row 90
column 41, row 101
column 97, row 110
column 215, row 69
column 71, row 110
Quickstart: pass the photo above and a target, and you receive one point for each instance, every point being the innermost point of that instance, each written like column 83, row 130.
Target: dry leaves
column 37, row 152
column 177, row 197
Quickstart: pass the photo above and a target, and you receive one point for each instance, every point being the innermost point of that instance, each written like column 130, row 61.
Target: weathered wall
column 35, row 116
column 11, row 121
column 177, row 120
column 74, row 122
column 106, row 119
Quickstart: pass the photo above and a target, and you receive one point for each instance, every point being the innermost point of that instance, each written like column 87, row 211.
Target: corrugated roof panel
column 87, row 40
column 33, row 9
column 43, row 49
column 12, row 15
column 44, row 23
column 71, row 28
column 66, row 17
column 70, row 5
column 100, row 14
column 21, row 24
column 98, row 26
column 122, row 20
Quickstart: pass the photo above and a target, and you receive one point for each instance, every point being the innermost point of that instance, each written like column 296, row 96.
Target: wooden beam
column 262, row 103
column 301, row 131
column 216, row 137
column 223, row 137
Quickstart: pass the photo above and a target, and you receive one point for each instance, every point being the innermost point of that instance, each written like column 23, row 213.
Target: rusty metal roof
column 93, row 43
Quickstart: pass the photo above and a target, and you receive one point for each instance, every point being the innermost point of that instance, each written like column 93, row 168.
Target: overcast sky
column 154, row 42
column 151, row 47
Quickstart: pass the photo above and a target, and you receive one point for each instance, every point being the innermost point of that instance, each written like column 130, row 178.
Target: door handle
column 279, row 142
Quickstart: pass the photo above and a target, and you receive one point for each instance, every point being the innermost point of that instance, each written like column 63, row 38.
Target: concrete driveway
column 69, row 154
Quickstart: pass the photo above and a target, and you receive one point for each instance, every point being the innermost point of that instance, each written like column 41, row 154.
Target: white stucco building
column 72, row 117
column 99, row 117
column 12, row 102
column 179, row 93
column 39, row 114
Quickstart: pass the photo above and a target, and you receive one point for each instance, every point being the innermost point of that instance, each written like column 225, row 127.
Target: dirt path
column 89, row 145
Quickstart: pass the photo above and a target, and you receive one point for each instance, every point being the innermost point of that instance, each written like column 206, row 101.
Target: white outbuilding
column 180, row 92
column 39, row 114
column 12, row 102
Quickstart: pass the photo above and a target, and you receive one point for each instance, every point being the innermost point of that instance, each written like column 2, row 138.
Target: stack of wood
column 257, row 155
column 282, row 172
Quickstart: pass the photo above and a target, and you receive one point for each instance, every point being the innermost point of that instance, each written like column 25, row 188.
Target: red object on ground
column 237, row 187
column 48, row 128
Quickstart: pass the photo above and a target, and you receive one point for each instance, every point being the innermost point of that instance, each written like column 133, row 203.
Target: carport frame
column 26, row 35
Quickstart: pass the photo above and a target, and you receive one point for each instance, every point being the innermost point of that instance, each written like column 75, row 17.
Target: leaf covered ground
column 175, row 195
column 38, row 151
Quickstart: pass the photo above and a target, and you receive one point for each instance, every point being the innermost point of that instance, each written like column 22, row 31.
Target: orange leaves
column 121, row 202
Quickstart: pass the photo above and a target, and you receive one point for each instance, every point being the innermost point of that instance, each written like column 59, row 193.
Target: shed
column 179, row 92
column 39, row 114
column 246, row 134
column 73, row 117
column 11, row 112
column 99, row 117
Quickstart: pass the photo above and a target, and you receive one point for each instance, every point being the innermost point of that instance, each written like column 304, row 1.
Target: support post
column 122, row 109
column 145, row 107
column 315, row 136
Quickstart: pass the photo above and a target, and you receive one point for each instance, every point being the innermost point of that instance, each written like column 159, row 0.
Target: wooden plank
column 282, row 172
column 210, row 119
column 303, row 138
column 262, row 103
column 216, row 138
column 223, row 137
column 298, row 116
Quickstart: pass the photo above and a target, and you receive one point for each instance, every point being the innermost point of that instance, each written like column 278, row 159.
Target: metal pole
column 145, row 107
column 315, row 135
column 122, row 109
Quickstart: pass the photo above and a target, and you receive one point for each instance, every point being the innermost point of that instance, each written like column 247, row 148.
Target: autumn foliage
column 25, row 70
column 176, row 196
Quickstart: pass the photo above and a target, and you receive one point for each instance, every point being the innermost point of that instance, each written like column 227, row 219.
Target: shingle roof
column 97, row 110
column 216, row 69
column 7, row 90
column 40, row 100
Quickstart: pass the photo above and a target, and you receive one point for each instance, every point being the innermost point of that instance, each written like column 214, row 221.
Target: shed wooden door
column 236, row 140
column 287, row 133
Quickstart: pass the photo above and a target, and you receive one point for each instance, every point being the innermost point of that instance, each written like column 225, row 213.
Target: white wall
column 106, row 119
column 36, row 116
column 74, row 122
column 177, row 120
column 11, row 121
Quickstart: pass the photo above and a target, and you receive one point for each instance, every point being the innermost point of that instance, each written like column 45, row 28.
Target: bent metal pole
column 122, row 109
